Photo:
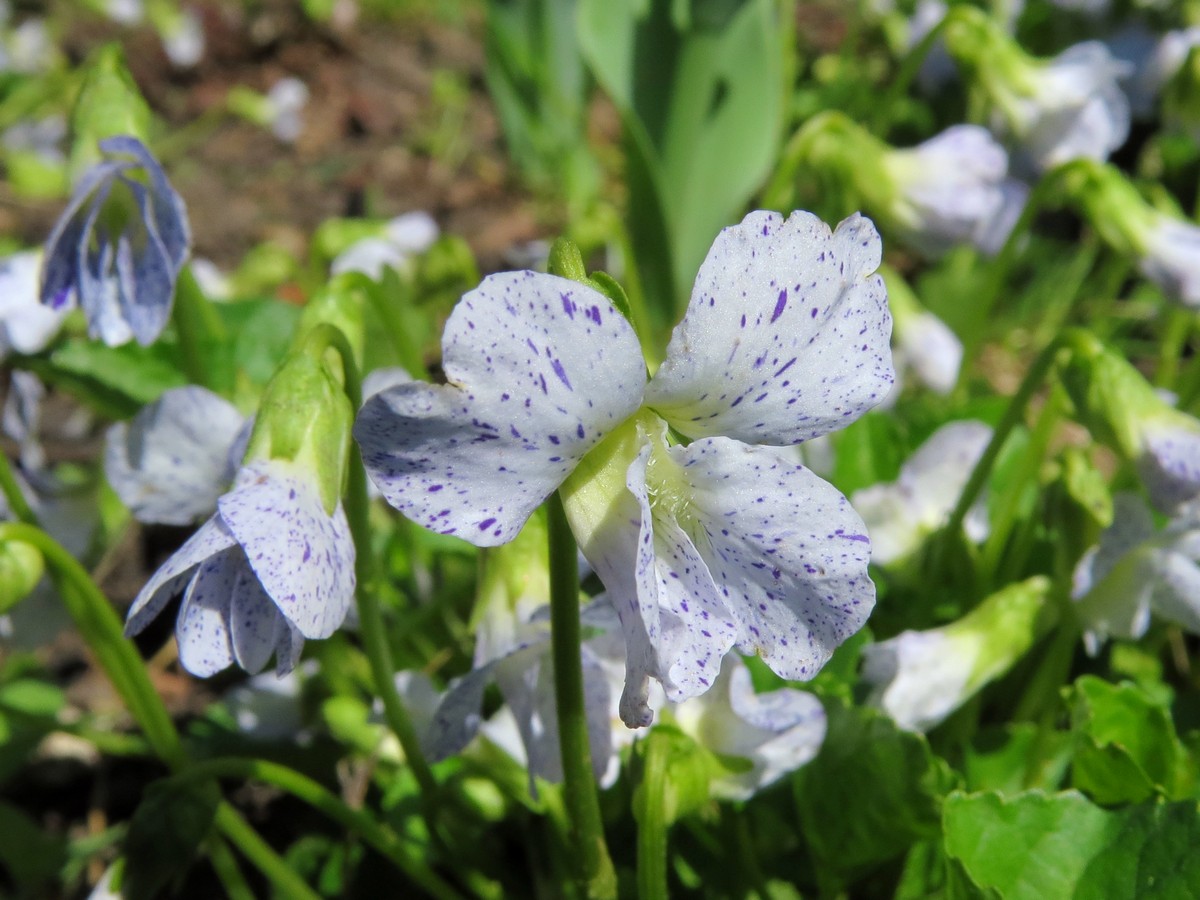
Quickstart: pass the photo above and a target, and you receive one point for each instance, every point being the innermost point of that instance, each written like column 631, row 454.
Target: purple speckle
column 779, row 305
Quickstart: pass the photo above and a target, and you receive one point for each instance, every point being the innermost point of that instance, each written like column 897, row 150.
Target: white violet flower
column 703, row 546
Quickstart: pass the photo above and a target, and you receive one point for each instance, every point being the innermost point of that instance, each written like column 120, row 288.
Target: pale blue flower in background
column 954, row 189
column 702, row 547
column 1137, row 571
column 181, row 31
column 919, row 677
column 119, row 245
column 171, row 462
column 402, row 238
column 1069, row 107
column 270, row 569
column 899, row 515
column 1170, row 257
column 26, row 326
column 286, row 101
column 776, row 731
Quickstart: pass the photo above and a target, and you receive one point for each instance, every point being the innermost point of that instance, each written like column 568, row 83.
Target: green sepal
column 305, row 418
column 566, row 261
column 340, row 303
column 108, row 104
column 1113, row 399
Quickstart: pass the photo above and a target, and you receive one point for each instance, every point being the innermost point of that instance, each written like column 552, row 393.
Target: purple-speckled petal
column 254, row 622
column 170, row 463
column 61, row 258
column 777, row 731
column 303, row 556
column 211, row 538
column 202, row 629
column 289, row 644
column 1131, row 525
column 786, row 336
column 677, row 627
column 1170, row 462
column 147, row 271
column 457, row 718
column 786, row 548
column 539, row 369
column 166, row 210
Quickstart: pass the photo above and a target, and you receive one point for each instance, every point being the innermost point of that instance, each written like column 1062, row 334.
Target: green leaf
column 263, row 330
column 1016, row 757
column 168, row 827
column 116, row 381
column 30, row 856
column 871, row 793
column 1047, row 846
column 1127, row 748
column 700, row 90
column 31, row 697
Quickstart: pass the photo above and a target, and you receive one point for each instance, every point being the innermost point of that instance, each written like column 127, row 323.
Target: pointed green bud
column 108, row 104
column 342, row 304
column 566, row 261
column 1123, row 410
column 21, row 568
column 305, row 417
column 981, row 45
column 920, row 677
column 1111, row 204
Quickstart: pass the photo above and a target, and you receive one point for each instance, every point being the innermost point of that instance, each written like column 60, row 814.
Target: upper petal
column 539, row 369
column 786, row 548
column 303, row 556
column 170, row 463
column 786, row 335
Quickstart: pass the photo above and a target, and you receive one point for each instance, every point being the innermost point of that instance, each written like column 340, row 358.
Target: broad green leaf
column 115, row 381
column 1048, row 846
column 166, row 830
column 1016, row 757
column 871, row 793
column 1127, row 747
column 699, row 89
column 30, row 856
column 31, row 697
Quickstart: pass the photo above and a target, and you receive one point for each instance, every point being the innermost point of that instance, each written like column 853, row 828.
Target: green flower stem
column 1043, row 196
column 1012, row 417
column 651, row 814
column 238, row 832
column 390, row 309
column 199, row 329
column 595, row 869
column 1009, row 503
column 1180, row 325
column 371, row 625
column 225, row 864
column 904, row 77
column 12, row 493
column 356, row 821
column 102, row 630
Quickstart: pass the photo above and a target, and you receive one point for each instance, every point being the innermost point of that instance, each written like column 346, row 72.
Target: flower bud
column 21, row 568
column 109, row 104
column 305, row 418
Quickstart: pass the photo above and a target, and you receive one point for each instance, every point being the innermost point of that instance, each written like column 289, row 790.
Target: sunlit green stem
column 239, row 833
column 225, row 864
column 101, row 628
column 381, row 838
column 199, row 329
column 1011, row 418
column 652, row 820
column 370, row 617
column 1009, row 504
column 595, row 869
column 904, row 77
column 12, row 493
